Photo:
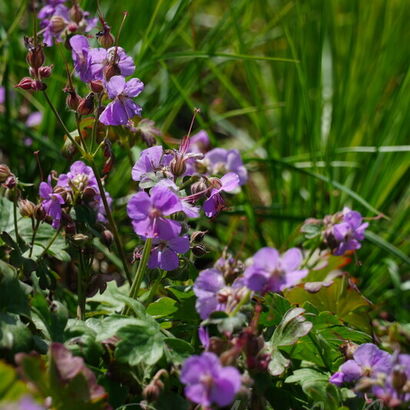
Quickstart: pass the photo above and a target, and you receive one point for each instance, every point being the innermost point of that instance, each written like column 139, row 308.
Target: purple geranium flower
column 78, row 178
column 164, row 253
column 199, row 142
column 34, row 119
column 220, row 161
column 123, row 108
column 151, row 160
column 102, row 58
column 215, row 202
column 214, row 295
column 148, row 213
column 368, row 360
column 207, row 382
column 272, row 272
column 51, row 203
column 349, row 232
column 82, row 60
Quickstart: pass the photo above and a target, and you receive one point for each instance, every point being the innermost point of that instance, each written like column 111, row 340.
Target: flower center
column 80, row 182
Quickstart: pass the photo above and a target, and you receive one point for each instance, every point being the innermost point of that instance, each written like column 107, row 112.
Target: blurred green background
column 315, row 93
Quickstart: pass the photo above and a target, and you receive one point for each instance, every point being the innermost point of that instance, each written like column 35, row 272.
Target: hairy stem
column 112, row 223
column 81, row 279
column 33, row 238
column 15, row 220
column 136, row 284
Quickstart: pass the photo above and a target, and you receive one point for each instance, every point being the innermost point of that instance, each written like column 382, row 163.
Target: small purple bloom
column 368, row 360
column 208, row 382
column 214, row 295
column 151, row 160
column 122, row 108
column 148, row 213
column 2, row 95
column 164, row 254
column 102, row 58
column 199, row 143
column 213, row 205
column 272, row 272
column 51, row 203
column 34, row 119
column 349, row 232
column 82, row 60
column 220, row 161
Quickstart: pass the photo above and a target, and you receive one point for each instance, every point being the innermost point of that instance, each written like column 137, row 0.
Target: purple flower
column 123, row 108
column 349, row 232
column 151, row 160
column 215, row 203
column 78, row 178
column 220, row 161
column 272, row 272
column 51, row 203
column 102, row 58
column 148, row 213
column 199, row 143
column 164, row 253
column 204, row 338
column 34, row 119
column 368, row 360
column 207, row 382
column 214, row 295
column 82, row 60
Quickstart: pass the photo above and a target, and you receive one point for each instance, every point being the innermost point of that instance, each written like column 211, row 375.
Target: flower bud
column 25, row 83
column 106, row 39
column 4, row 172
column 61, row 191
column 177, row 165
column 89, row 194
column 399, row 378
column 107, row 237
column 27, row 208
column 86, row 105
column 198, row 236
column 39, row 213
column 199, row 250
column 10, row 182
column 45, row 71
column 198, row 187
column 80, row 238
column 72, row 27
column 153, row 390
column 35, row 57
column 72, row 100
column 97, row 86
column 76, row 14
column 57, row 24
column 348, row 348
column 111, row 70
column 215, row 182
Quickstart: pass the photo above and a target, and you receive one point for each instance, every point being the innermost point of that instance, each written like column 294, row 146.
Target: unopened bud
column 26, row 83
column 111, row 70
column 35, row 57
column 39, row 213
column 153, row 390
column 107, row 237
column 72, row 100
column 45, row 71
column 4, row 172
column 198, row 236
column 198, row 187
column 10, row 182
column 27, row 208
column 97, row 86
column 348, row 349
column 57, row 24
column 177, row 165
column 72, row 27
column 106, row 39
column 86, row 105
column 80, row 238
column 199, row 250
column 76, row 13
column 399, row 378
column 89, row 194
column 215, row 182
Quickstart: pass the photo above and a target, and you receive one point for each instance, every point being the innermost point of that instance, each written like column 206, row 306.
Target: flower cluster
column 57, row 21
column 378, row 373
column 341, row 232
column 79, row 185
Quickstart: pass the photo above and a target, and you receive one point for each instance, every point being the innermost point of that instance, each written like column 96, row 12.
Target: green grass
column 315, row 93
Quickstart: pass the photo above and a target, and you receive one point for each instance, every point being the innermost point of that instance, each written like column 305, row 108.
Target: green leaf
column 162, row 307
column 13, row 297
column 11, row 388
column 278, row 363
column 340, row 298
column 177, row 350
column 14, row 335
column 277, row 307
column 140, row 344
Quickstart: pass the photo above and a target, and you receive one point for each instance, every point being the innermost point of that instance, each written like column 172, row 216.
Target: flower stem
column 55, row 236
column 243, row 301
column 15, row 220
column 111, row 222
column 66, row 130
column 81, row 276
column 136, row 284
column 155, row 286
column 33, row 238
